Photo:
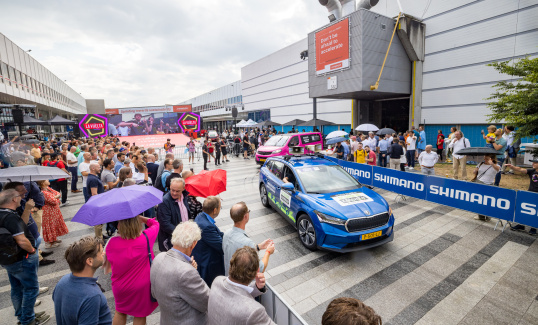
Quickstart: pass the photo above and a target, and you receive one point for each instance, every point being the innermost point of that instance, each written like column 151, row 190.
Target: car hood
column 351, row 204
column 268, row 148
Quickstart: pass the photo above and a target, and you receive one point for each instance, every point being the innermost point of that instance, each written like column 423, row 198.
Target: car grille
column 365, row 223
column 366, row 242
column 264, row 153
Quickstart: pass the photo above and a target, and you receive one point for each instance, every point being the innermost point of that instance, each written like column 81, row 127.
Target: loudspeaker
column 18, row 117
column 76, row 131
column 234, row 112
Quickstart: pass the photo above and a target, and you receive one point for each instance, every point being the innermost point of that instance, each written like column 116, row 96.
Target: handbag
column 150, row 263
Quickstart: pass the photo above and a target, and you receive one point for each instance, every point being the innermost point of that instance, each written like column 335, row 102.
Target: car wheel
column 307, row 232
column 263, row 196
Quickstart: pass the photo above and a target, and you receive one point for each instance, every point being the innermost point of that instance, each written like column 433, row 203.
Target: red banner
column 182, row 108
column 332, row 48
column 157, row 140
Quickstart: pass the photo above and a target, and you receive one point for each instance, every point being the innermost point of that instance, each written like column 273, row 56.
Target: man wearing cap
column 533, row 187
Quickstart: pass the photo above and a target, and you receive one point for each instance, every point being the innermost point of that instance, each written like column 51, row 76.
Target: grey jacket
column 179, row 289
column 229, row 304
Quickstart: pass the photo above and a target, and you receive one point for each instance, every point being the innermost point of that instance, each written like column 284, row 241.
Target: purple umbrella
column 118, row 204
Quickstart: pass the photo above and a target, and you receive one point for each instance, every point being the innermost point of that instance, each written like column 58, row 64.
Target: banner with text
column 527, row 208
column 332, row 48
column 483, row 199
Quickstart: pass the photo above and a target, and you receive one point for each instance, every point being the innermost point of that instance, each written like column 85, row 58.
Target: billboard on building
column 332, row 48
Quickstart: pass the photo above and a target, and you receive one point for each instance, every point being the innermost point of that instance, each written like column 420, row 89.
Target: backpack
column 9, row 250
column 158, row 181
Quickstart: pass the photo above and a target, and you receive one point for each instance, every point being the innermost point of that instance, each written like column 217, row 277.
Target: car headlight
column 329, row 219
column 277, row 151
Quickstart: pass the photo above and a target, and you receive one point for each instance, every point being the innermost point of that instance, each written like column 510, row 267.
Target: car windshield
column 276, row 141
column 326, row 179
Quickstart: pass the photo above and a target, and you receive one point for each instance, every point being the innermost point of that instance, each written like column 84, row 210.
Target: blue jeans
column 382, row 161
column 24, row 287
column 86, row 194
column 74, row 177
column 410, row 155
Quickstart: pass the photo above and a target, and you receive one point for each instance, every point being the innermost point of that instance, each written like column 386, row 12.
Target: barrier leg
column 399, row 198
column 502, row 224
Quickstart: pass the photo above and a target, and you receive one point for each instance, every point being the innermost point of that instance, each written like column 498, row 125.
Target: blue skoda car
column 329, row 208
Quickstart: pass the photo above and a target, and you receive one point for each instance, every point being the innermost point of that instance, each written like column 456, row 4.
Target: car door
column 273, row 181
column 289, row 198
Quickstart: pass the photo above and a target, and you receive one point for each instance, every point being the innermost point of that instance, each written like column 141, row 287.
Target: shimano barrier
column 527, row 208
column 493, row 201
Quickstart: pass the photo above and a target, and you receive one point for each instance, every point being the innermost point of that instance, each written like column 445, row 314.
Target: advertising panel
column 332, row 48
column 190, row 122
column 93, row 125
column 527, row 208
column 488, row 200
column 150, row 109
column 408, row 184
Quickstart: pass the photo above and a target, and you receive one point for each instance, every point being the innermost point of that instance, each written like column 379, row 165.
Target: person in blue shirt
column 77, row 297
column 346, row 150
column 209, row 253
column 340, row 151
column 119, row 163
column 383, row 149
column 421, row 140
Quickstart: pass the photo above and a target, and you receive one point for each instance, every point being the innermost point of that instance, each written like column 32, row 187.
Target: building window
column 12, row 76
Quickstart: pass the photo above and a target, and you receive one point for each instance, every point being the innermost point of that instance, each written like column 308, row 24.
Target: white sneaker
column 42, row 290
column 37, row 303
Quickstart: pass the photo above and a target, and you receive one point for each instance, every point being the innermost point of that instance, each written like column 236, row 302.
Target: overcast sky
column 138, row 53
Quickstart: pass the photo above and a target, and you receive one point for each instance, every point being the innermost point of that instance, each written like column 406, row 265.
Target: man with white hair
column 152, row 167
column 427, row 161
column 182, row 293
column 173, row 210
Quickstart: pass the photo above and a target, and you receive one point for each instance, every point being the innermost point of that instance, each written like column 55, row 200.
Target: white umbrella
column 367, row 128
column 31, row 173
column 336, row 134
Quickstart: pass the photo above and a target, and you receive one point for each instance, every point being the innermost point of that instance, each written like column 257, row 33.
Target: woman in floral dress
column 53, row 221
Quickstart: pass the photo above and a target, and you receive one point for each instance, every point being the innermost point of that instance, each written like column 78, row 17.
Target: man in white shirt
column 411, row 144
column 459, row 161
column 84, row 168
column 427, row 161
column 370, row 142
column 72, row 167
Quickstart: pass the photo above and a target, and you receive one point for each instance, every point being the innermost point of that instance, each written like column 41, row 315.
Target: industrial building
column 436, row 72
column 24, row 81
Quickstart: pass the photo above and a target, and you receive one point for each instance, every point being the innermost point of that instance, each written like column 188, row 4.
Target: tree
column 516, row 101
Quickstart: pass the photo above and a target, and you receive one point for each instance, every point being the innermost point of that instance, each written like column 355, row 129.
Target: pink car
column 279, row 145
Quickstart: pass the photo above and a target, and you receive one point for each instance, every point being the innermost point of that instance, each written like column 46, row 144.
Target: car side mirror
column 288, row 187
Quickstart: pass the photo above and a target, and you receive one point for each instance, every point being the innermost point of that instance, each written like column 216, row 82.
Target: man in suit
column 231, row 300
column 208, row 252
column 173, row 210
column 175, row 283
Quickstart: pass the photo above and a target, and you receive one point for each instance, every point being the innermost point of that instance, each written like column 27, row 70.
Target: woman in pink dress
column 127, row 254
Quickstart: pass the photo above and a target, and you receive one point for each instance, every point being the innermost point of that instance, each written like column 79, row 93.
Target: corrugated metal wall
column 462, row 36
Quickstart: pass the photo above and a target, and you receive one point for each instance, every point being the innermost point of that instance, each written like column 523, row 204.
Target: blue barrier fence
column 493, row 201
